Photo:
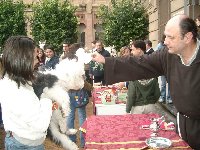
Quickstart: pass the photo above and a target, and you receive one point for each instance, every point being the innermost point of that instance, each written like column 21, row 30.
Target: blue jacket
column 51, row 64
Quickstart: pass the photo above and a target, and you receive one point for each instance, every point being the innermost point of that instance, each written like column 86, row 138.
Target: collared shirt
column 148, row 50
column 193, row 56
column 47, row 59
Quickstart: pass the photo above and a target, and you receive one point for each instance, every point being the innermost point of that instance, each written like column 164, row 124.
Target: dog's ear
column 83, row 57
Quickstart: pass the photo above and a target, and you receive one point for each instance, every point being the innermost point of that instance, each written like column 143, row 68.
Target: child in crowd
column 25, row 117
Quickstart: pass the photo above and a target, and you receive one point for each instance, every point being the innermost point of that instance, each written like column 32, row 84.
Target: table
column 123, row 131
column 102, row 109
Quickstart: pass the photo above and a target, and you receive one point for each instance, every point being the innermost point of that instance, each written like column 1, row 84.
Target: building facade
column 88, row 25
column 159, row 11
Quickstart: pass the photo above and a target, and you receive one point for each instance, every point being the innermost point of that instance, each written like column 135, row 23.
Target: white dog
column 54, row 84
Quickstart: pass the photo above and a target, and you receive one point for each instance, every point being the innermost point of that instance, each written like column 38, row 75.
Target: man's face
column 99, row 46
column 65, row 48
column 174, row 41
column 135, row 51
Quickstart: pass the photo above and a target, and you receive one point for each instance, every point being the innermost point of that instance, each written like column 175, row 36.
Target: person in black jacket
column 149, row 48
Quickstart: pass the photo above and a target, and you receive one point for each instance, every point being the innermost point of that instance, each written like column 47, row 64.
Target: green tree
column 54, row 22
column 12, row 19
column 125, row 20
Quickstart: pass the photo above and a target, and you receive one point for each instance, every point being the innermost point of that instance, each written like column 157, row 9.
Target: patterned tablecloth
column 124, row 131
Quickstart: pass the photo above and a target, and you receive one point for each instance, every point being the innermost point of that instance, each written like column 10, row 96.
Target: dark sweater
column 184, row 84
column 184, row 80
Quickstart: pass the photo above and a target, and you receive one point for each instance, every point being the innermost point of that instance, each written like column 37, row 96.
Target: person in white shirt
column 25, row 117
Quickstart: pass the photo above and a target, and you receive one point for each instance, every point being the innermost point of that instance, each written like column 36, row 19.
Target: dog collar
column 54, row 106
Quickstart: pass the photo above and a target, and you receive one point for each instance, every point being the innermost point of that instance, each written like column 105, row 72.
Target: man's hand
column 98, row 57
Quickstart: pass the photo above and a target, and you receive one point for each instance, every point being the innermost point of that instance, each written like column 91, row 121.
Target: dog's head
column 70, row 73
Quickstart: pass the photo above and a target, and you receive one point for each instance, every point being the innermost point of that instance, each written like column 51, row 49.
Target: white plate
column 158, row 142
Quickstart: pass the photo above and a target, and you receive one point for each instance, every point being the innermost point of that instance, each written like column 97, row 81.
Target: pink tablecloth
column 123, row 131
column 96, row 94
column 96, row 97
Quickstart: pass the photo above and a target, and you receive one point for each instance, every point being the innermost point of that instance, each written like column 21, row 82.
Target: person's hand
column 98, row 57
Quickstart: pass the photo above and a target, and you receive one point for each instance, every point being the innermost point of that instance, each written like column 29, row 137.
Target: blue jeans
column 12, row 144
column 163, row 89
column 71, row 119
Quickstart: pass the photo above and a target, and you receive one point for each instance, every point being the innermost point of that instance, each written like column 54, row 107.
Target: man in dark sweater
column 179, row 62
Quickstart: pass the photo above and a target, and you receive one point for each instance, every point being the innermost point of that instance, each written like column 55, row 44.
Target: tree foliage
column 125, row 20
column 12, row 19
column 54, row 22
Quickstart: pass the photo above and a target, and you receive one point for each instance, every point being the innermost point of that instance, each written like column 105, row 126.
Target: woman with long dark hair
column 25, row 117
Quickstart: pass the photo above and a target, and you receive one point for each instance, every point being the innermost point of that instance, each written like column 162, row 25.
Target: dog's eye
column 84, row 77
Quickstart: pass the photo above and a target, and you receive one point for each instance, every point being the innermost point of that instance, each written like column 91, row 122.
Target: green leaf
column 54, row 22
column 12, row 19
column 124, row 21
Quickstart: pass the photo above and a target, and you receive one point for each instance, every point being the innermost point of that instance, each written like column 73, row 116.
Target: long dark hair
column 18, row 59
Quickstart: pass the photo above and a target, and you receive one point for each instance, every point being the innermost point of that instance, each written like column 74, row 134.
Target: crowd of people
column 175, row 59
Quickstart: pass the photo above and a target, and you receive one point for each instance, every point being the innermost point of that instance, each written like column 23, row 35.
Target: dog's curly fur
column 54, row 85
